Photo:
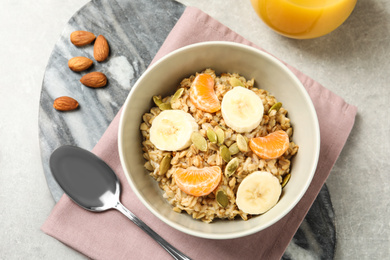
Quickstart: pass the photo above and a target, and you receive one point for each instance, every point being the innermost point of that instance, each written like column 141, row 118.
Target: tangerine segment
column 198, row 181
column 271, row 146
column 202, row 94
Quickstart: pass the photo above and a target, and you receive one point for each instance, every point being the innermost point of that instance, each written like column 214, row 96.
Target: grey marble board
column 136, row 30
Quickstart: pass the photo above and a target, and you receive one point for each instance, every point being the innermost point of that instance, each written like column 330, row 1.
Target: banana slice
column 258, row 192
column 242, row 109
column 171, row 130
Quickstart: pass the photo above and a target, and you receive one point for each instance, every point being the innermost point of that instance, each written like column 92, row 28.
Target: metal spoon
column 94, row 186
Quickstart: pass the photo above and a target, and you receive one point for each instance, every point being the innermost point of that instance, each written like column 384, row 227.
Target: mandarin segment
column 202, row 93
column 198, row 181
column 271, row 146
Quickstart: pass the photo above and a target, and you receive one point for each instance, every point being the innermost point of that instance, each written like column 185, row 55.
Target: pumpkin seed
column 220, row 135
column 177, row 95
column 165, row 106
column 157, row 100
column 225, row 153
column 212, row 136
column 149, row 166
column 223, row 127
column 199, row 141
column 222, row 198
column 276, row 107
column 231, row 167
column 165, row 164
column 233, row 149
column 242, row 143
column 235, row 82
column 286, row 179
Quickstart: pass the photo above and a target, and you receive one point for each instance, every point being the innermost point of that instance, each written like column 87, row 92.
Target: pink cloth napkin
column 110, row 235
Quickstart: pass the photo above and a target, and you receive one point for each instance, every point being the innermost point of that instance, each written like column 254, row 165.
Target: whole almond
column 65, row 103
column 94, row 79
column 101, row 49
column 81, row 38
column 79, row 63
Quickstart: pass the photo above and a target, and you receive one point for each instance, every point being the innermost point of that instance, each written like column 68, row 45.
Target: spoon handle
column 176, row 254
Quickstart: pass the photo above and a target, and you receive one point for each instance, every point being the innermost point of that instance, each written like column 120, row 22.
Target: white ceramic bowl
column 270, row 74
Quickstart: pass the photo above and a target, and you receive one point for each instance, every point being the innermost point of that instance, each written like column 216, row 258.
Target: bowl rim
column 253, row 230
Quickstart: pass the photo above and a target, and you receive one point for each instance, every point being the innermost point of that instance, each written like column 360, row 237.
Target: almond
column 101, row 49
column 94, row 79
column 79, row 63
column 81, row 38
column 65, row 103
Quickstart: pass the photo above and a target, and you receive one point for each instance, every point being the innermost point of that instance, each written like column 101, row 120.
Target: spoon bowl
column 85, row 178
column 94, row 186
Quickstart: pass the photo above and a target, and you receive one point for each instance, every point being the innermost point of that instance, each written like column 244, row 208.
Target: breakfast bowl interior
column 163, row 77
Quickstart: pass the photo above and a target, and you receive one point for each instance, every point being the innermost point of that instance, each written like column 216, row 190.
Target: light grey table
column 353, row 62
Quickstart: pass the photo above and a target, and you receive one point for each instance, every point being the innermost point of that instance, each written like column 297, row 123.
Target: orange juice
column 303, row 19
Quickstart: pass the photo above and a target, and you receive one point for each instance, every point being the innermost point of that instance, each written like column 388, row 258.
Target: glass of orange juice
column 303, row 19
